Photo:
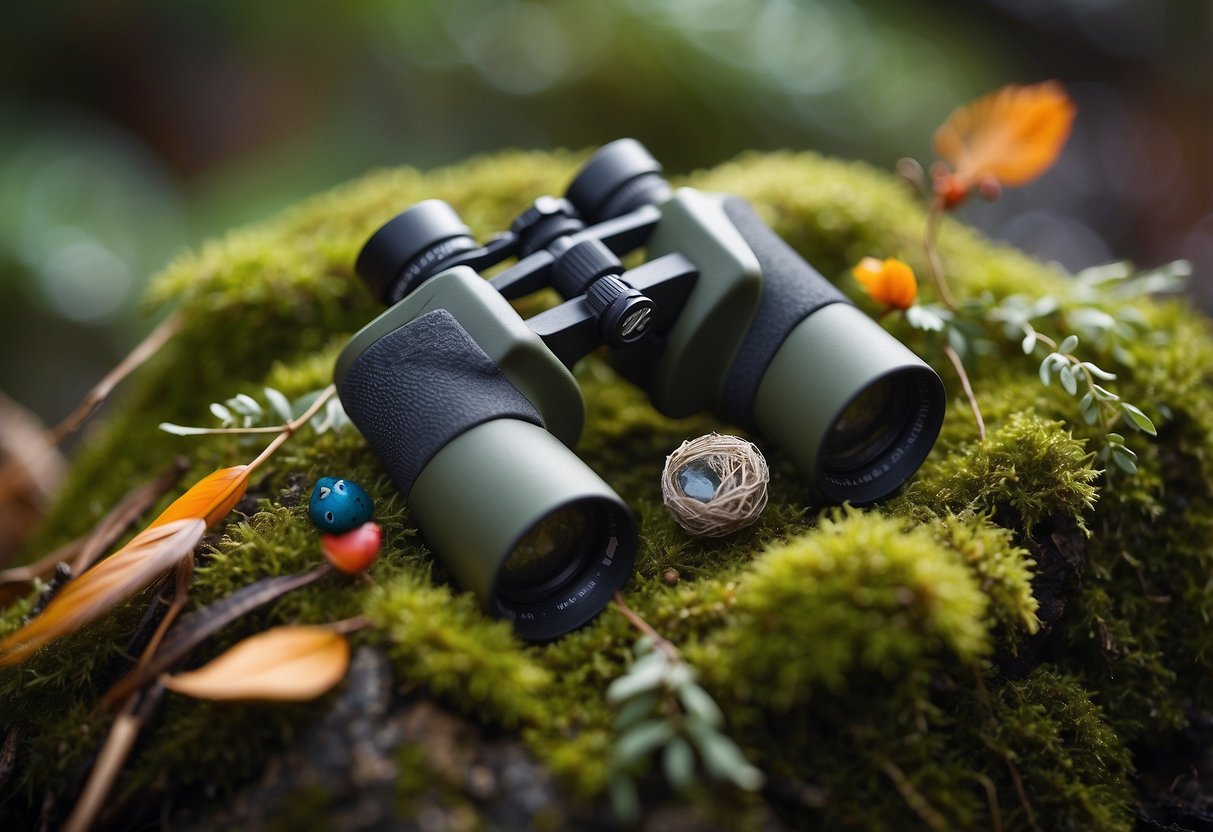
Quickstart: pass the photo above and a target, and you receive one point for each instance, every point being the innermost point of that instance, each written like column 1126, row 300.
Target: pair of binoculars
column 474, row 411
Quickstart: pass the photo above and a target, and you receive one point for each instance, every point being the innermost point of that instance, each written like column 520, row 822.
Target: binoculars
column 474, row 411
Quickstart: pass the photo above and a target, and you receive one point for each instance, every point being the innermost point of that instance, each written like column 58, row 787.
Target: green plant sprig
column 242, row 414
column 661, row 708
column 975, row 326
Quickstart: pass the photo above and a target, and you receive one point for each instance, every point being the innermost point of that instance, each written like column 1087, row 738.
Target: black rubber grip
column 420, row 386
column 791, row 291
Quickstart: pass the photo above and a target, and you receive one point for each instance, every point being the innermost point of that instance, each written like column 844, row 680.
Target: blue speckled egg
column 339, row 505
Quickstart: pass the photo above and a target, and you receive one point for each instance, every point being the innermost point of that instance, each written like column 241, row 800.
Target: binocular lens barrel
column 521, row 521
column 850, row 404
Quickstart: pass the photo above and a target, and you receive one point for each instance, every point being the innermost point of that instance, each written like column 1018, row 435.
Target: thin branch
column 349, row 625
column 914, row 799
column 289, row 429
column 659, row 641
column 991, row 799
column 10, row 478
column 122, row 736
column 8, row 752
column 1021, row 791
column 959, row 366
column 40, row 568
column 223, row 431
column 200, row 624
column 144, row 350
column 930, row 246
column 181, row 596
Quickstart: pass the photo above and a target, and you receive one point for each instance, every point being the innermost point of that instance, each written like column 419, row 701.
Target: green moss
column 857, row 596
column 444, row 642
column 1002, row 569
column 1074, row 767
column 846, row 647
column 1026, row 470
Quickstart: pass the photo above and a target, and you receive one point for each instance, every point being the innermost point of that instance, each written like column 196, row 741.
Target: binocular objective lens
column 871, row 423
column 551, row 555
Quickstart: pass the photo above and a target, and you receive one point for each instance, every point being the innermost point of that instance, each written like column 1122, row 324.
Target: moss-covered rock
column 980, row 651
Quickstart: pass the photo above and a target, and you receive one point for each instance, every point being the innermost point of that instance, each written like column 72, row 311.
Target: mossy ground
column 859, row 655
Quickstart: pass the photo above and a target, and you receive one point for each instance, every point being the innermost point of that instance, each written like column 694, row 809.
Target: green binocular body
column 475, row 417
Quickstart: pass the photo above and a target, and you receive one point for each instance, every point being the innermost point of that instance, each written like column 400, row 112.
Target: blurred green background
column 129, row 130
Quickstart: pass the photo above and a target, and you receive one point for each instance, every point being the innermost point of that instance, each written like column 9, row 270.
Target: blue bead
column 698, row 481
column 337, row 506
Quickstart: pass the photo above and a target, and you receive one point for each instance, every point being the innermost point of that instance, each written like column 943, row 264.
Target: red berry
column 354, row 551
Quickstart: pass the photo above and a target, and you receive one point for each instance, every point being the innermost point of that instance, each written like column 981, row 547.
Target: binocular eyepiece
column 474, row 411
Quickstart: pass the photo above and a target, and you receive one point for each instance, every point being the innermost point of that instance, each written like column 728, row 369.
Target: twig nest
column 715, row 485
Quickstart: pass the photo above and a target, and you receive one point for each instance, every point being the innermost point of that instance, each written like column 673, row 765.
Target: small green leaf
column 636, row 709
column 624, row 799
column 182, row 430
column 1124, row 459
column 222, row 413
column 1068, row 345
column 1138, row 419
column 1090, row 411
column 1029, row 342
column 1097, row 372
column 1105, row 394
column 645, row 675
column 1115, row 439
column 641, row 739
column 246, row 405
column 723, row 759
column 925, row 318
column 1045, row 374
column 678, row 762
column 698, row 702
column 279, row 403
column 957, row 341
column 1066, row 376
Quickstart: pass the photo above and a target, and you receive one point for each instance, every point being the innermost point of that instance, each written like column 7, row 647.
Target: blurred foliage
column 131, row 129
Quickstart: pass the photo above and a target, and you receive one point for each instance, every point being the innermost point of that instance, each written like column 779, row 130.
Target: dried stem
column 930, row 246
column 231, row 431
column 181, row 595
column 349, row 625
column 983, row 696
column 659, row 641
column 289, row 429
column 10, row 477
column 122, row 736
column 145, row 349
column 992, row 800
column 959, row 366
column 913, row 798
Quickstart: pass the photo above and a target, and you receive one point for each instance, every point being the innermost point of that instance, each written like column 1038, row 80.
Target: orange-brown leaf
column 1011, row 135
column 282, row 664
column 211, row 498
column 133, row 567
column 888, row 281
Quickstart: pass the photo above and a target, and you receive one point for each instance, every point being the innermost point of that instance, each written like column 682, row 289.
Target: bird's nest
column 740, row 497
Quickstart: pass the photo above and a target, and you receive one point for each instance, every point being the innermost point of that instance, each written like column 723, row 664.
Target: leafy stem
column 662, row 708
